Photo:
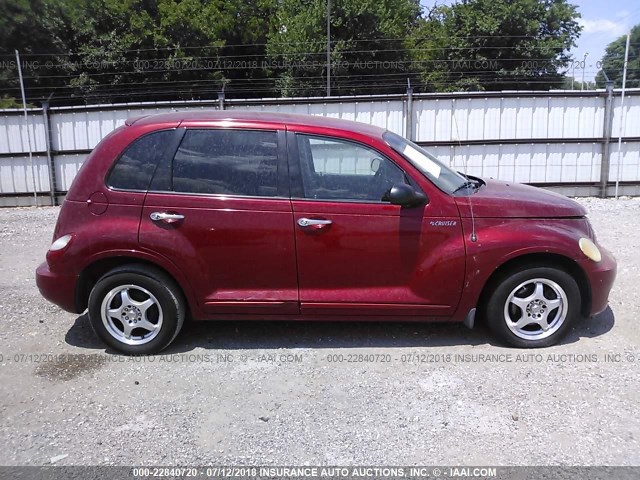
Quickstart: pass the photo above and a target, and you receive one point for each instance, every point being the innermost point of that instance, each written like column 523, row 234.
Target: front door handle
column 312, row 222
column 168, row 217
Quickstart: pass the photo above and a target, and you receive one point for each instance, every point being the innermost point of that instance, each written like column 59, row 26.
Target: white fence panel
column 13, row 133
column 16, row 177
column 630, row 166
column 532, row 127
column 631, row 118
column 67, row 167
column 526, row 163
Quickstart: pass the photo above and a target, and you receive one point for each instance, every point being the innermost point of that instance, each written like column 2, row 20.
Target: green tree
column 142, row 49
column 155, row 49
column 613, row 61
column 368, row 51
column 244, row 51
column 134, row 50
column 495, row 44
column 25, row 25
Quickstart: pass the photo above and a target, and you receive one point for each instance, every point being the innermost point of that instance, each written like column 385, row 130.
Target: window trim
column 282, row 185
column 295, row 169
column 217, row 195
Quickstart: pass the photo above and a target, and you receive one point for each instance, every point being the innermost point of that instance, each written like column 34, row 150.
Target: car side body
column 248, row 255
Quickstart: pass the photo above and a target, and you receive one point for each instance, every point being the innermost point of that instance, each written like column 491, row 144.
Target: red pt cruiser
column 247, row 216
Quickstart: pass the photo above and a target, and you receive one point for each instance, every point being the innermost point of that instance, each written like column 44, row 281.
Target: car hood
column 514, row 200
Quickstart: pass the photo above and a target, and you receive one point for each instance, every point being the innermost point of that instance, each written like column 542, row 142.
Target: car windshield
column 444, row 178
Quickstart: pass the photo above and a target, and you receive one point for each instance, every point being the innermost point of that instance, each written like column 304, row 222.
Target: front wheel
column 136, row 309
column 534, row 307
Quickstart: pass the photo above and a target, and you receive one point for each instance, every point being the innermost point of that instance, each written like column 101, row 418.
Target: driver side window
column 334, row 169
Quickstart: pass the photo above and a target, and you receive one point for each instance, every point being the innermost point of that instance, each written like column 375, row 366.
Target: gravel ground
column 269, row 394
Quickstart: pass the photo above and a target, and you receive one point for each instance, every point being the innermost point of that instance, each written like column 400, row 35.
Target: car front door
column 220, row 210
column 357, row 253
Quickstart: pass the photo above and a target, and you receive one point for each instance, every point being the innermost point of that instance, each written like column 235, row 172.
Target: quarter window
column 335, row 169
column 227, row 162
column 135, row 167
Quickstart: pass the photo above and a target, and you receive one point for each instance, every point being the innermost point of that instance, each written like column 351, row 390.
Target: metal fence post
column 409, row 119
column 606, row 143
column 50, row 160
column 26, row 124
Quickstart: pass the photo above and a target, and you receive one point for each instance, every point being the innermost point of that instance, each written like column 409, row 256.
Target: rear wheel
column 136, row 309
column 534, row 307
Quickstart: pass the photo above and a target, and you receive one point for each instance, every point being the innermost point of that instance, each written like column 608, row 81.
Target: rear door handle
column 163, row 216
column 312, row 222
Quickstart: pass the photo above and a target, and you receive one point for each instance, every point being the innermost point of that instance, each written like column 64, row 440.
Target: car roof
column 244, row 116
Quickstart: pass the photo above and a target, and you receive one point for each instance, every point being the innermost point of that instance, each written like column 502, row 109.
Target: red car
column 261, row 216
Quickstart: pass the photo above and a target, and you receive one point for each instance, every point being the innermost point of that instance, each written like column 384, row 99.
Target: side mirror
column 406, row 195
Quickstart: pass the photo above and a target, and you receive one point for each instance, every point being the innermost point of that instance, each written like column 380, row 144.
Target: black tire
column 168, row 308
column 550, row 278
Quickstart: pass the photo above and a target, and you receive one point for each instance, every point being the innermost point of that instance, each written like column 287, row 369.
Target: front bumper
column 601, row 276
column 57, row 288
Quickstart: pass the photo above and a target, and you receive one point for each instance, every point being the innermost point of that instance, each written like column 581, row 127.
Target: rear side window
column 227, row 162
column 135, row 167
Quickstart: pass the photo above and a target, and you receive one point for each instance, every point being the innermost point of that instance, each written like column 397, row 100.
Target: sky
column 603, row 21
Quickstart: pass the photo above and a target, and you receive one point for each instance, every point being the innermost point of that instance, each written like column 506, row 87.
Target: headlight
column 590, row 249
column 60, row 243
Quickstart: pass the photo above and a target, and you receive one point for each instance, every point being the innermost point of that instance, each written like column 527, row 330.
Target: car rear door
column 220, row 210
column 357, row 253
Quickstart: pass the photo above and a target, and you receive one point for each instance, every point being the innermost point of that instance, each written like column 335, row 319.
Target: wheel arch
column 541, row 259
column 94, row 270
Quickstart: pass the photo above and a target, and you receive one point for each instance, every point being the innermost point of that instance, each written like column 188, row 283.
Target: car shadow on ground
column 239, row 335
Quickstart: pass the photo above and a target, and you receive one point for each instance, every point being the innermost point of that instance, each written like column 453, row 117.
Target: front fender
column 501, row 240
